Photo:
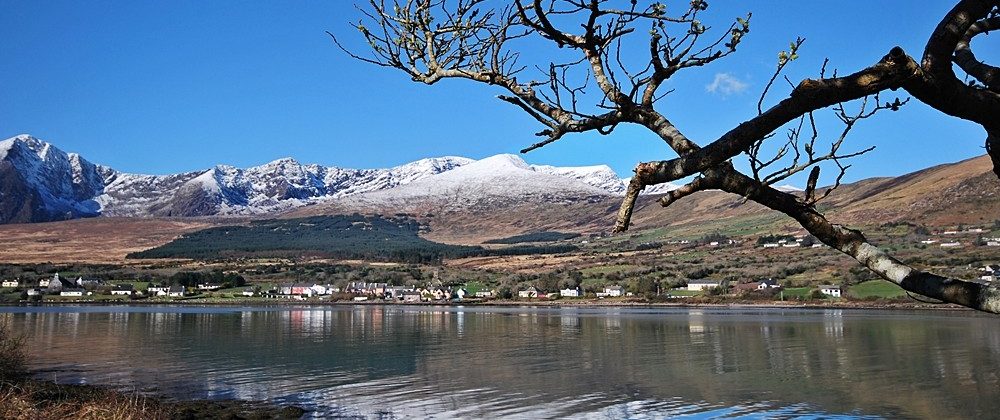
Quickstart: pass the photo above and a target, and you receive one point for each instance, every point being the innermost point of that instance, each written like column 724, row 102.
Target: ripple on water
column 413, row 362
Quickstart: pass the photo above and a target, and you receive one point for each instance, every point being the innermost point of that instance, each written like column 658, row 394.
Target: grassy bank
column 32, row 399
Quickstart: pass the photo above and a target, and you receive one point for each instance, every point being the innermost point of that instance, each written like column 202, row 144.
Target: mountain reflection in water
column 396, row 361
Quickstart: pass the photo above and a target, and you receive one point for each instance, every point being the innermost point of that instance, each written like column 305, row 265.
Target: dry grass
column 98, row 240
column 38, row 400
column 14, row 357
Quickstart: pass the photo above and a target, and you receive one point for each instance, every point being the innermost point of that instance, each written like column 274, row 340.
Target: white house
column 410, row 296
column 792, row 245
column 34, row 292
column 44, row 282
column 771, row 245
column 158, row 290
column 319, row 289
column 249, row 292
column 71, row 292
column 993, row 243
column 702, row 284
column 955, row 244
column 830, row 290
column 485, row 294
column 209, row 287
column 614, row 291
column 928, row 241
column 528, row 293
column 569, row 293
column 123, row 290
column 10, row 283
column 767, row 284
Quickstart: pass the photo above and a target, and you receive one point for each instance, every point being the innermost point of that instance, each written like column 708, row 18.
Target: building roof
column 175, row 289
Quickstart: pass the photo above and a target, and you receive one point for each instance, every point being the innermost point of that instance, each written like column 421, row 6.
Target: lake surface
column 446, row 362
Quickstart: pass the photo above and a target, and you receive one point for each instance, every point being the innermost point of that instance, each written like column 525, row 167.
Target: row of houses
column 86, row 287
column 768, row 284
column 366, row 290
column 957, row 244
column 533, row 293
column 55, row 282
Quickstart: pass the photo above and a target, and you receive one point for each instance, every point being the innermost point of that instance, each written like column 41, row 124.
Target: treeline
column 214, row 277
column 548, row 236
column 373, row 238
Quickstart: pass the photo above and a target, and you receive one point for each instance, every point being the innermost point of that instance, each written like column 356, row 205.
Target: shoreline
column 561, row 303
column 34, row 397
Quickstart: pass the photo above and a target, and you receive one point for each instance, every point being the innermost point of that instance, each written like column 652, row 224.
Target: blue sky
column 161, row 87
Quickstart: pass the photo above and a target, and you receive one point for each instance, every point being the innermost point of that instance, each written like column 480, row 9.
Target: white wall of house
column 697, row 287
column 569, row 293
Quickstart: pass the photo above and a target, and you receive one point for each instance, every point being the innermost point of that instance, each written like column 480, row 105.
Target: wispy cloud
column 726, row 84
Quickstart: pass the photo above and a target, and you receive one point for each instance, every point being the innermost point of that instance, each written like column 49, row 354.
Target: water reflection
column 535, row 362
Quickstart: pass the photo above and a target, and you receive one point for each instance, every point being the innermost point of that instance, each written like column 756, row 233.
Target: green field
column 876, row 289
column 684, row 292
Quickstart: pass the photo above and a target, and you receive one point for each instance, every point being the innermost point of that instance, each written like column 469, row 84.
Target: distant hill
column 372, row 238
column 964, row 192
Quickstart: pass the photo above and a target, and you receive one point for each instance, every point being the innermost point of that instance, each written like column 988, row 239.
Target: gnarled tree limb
column 474, row 45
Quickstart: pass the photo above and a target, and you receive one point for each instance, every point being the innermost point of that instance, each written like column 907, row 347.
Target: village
column 609, row 280
column 60, row 289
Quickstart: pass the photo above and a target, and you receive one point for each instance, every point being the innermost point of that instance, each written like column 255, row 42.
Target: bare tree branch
column 431, row 40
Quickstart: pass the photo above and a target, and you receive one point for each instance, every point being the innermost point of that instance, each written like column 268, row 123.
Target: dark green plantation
column 356, row 236
column 548, row 236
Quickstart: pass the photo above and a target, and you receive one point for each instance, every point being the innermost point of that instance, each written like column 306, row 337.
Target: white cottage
column 831, row 290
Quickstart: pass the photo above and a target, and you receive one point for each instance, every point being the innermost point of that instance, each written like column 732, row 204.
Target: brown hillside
column 94, row 240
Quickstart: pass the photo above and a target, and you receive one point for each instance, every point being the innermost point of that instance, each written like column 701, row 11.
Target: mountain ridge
column 462, row 200
column 50, row 184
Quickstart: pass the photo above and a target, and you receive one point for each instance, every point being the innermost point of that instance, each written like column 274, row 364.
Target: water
column 446, row 362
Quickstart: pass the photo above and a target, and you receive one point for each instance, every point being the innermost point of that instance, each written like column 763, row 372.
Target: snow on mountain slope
column 274, row 186
column 788, row 188
column 40, row 183
column 495, row 180
column 600, row 176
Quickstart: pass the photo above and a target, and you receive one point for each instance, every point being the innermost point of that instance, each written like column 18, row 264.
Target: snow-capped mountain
column 39, row 182
column 492, row 181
